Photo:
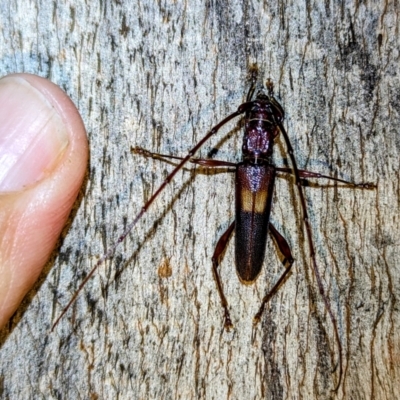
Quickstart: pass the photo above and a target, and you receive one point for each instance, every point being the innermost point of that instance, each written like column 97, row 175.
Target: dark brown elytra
column 254, row 185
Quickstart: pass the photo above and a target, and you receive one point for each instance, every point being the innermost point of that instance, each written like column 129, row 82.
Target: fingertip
column 44, row 152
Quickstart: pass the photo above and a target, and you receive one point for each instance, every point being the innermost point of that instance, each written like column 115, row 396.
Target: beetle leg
column 204, row 162
column 288, row 262
column 316, row 175
column 219, row 249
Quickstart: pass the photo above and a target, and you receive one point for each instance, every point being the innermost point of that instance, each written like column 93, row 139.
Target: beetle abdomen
column 254, row 188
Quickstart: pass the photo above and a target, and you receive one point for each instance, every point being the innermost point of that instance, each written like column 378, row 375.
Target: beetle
column 254, row 185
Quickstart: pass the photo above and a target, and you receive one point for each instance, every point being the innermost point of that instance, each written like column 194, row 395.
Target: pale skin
column 36, row 198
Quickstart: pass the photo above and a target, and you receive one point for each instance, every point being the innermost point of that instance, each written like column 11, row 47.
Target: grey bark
column 160, row 75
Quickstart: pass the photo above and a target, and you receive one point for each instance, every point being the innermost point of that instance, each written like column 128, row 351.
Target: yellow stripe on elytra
column 253, row 201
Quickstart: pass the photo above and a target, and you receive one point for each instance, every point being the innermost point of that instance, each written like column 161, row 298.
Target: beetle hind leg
column 287, row 262
column 219, row 249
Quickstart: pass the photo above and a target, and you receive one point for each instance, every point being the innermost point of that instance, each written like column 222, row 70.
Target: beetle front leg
column 204, row 162
column 316, row 175
column 288, row 260
column 219, row 249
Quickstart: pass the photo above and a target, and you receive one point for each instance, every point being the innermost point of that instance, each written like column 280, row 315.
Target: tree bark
column 159, row 75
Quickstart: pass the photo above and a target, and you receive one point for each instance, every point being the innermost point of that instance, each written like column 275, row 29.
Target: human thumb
column 43, row 157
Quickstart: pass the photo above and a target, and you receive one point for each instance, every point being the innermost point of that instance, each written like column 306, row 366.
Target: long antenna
column 110, row 251
column 309, row 235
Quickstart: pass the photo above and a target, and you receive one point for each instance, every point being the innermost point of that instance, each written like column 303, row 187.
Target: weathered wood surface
column 159, row 75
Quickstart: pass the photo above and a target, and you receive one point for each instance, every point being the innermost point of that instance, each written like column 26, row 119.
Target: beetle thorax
column 260, row 131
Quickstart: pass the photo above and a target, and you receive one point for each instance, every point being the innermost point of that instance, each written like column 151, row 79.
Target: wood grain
column 160, row 75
